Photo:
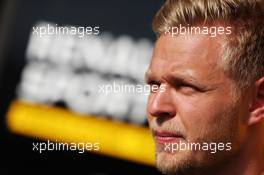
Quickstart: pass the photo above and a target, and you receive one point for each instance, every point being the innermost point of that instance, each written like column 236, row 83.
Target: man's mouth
column 167, row 137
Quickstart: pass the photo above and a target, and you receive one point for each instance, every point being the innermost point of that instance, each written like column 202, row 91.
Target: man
column 207, row 115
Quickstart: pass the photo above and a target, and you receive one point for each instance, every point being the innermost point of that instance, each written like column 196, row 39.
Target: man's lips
column 165, row 137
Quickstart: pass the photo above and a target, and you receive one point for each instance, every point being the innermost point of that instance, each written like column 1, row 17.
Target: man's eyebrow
column 181, row 77
column 186, row 78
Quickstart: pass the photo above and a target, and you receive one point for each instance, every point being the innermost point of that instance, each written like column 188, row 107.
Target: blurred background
column 84, row 86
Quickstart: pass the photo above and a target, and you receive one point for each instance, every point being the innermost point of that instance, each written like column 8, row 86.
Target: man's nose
column 161, row 104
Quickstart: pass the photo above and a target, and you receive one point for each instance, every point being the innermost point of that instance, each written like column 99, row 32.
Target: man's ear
column 257, row 106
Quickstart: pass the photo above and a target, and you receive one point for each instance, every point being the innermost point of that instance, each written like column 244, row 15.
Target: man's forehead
column 185, row 56
column 187, row 50
column 197, row 45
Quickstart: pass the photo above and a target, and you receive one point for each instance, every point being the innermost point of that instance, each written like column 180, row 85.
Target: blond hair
column 243, row 51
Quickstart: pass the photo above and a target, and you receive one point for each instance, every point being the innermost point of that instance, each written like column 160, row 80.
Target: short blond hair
column 243, row 51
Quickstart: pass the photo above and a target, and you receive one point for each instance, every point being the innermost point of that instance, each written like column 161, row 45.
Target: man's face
column 195, row 103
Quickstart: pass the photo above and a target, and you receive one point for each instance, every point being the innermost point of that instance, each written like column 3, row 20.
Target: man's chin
column 171, row 163
column 187, row 162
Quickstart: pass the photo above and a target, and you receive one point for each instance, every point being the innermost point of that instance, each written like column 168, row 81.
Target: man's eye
column 186, row 87
column 190, row 89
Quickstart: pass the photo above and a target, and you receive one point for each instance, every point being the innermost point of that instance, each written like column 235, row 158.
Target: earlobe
column 257, row 108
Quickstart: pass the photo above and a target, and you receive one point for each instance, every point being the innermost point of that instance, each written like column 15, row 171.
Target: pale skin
column 198, row 102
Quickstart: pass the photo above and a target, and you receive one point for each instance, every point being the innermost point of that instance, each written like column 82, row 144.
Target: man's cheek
column 190, row 118
column 197, row 123
column 201, row 112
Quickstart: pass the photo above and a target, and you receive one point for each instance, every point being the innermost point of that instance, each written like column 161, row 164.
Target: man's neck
column 249, row 161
